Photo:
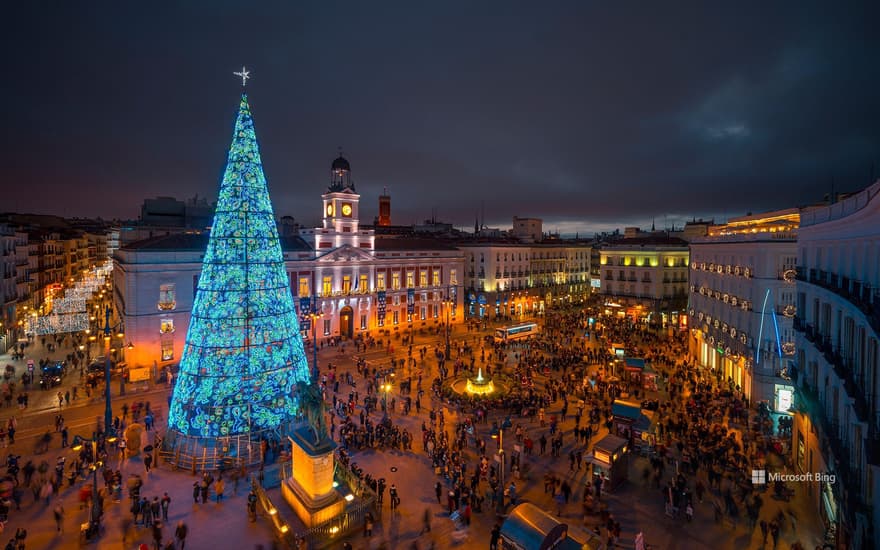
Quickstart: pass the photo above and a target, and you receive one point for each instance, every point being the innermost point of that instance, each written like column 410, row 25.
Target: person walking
column 438, row 490
column 58, row 512
column 180, row 534
column 765, row 529
column 395, row 500
column 196, row 492
column 157, row 534
column 148, row 461
column 426, row 522
column 219, row 487
column 166, row 501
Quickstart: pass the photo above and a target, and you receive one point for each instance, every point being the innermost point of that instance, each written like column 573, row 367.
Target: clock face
column 330, row 209
column 346, row 209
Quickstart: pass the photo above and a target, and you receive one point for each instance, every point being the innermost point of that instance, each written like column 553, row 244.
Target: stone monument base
column 310, row 491
column 310, row 512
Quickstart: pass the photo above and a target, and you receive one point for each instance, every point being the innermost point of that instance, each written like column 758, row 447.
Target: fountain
column 480, row 385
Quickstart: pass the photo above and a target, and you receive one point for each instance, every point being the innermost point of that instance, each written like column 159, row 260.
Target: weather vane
column 244, row 74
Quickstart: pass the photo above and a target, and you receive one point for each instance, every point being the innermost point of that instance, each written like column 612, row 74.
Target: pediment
column 346, row 253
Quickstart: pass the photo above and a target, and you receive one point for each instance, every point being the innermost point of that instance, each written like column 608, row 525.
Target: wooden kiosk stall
column 610, row 459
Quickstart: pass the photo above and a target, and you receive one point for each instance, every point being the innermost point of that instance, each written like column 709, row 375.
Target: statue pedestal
column 310, row 491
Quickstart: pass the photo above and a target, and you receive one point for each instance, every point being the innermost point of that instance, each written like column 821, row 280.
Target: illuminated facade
column 837, row 331
column 742, row 285
column 514, row 280
column 346, row 282
column 646, row 278
column 243, row 353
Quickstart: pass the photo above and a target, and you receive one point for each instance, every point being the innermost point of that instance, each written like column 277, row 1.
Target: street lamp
column 108, row 410
column 498, row 433
column 96, row 510
column 386, row 387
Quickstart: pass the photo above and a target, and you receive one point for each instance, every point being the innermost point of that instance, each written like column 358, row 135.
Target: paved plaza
column 636, row 505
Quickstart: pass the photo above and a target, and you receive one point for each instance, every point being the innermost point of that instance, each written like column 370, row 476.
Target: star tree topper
column 244, row 74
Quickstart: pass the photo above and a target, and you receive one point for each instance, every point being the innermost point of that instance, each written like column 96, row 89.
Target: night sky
column 588, row 115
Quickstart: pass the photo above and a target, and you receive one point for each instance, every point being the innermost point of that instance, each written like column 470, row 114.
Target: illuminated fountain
column 480, row 385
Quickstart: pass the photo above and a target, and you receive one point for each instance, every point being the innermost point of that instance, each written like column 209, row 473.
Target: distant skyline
column 591, row 116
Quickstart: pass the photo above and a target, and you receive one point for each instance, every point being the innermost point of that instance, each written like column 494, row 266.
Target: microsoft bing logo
column 759, row 477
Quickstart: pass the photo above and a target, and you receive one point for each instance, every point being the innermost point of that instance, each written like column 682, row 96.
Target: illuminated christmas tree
column 243, row 352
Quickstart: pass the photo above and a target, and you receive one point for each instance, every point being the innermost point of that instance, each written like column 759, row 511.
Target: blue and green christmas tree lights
column 243, row 353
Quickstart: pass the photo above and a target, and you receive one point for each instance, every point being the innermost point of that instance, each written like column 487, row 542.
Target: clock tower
column 339, row 213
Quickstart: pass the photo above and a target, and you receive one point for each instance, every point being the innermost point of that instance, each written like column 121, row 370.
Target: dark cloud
column 590, row 115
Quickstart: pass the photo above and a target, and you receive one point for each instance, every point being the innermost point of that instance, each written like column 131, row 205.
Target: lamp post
column 386, row 387
column 108, row 410
column 448, row 306
column 498, row 433
column 314, row 315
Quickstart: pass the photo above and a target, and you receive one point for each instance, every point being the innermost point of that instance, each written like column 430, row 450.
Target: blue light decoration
column 244, row 353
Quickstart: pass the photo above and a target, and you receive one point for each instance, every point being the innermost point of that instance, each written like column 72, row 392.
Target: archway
column 346, row 322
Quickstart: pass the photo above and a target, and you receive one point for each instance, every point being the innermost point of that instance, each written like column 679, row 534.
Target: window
column 423, row 278
column 410, row 279
column 166, row 326
column 346, row 284
column 395, row 300
column 363, row 322
column 395, row 281
column 167, row 349
column 304, row 286
column 380, row 320
column 435, row 278
column 326, row 327
column 380, row 281
column 423, row 312
column 167, row 297
column 453, row 277
column 436, row 312
column 363, row 285
column 327, row 286
column 395, row 317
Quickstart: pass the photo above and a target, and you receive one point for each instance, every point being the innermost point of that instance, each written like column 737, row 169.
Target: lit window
column 363, row 285
column 395, row 281
column 167, row 349
column 410, row 279
column 453, row 277
column 346, row 284
column 435, row 278
column 423, row 311
column 167, row 297
column 327, row 286
column 363, row 322
column 326, row 327
column 395, row 317
column 380, row 281
column 166, row 326
column 423, row 278
column 304, row 286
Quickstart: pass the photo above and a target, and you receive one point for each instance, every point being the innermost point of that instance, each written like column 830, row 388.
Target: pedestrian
column 148, row 461
column 180, row 534
column 252, row 506
column 196, row 491
column 59, row 516
column 219, row 487
column 155, row 508
column 438, row 490
column 395, row 500
column 496, row 536
column 204, row 491
column 774, row 533
column 166, row 501
column 368, row 525
column 765, row 528
column 426, row 522
column 157, row 534
column 20, row 536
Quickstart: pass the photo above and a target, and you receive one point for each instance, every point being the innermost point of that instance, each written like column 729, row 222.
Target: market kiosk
column 610, row 460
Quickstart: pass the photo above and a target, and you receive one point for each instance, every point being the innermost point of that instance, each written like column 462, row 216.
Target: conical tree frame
column 243, row 353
